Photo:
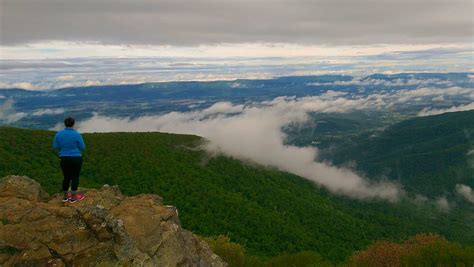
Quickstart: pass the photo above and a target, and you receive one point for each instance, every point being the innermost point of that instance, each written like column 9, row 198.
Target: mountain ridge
column 420, row 152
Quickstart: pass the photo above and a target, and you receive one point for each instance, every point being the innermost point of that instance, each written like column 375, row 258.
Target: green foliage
column 266, row 211
column 428, row 155
column 304, row 258
column 234, row 254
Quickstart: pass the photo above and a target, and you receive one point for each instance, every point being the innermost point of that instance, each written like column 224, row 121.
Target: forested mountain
column 427, row 155
column 269, row 212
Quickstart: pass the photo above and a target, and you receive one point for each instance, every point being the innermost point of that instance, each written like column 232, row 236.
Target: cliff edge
column 106, row 229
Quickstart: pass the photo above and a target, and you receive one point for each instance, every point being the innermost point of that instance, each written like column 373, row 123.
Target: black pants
column 71, row 167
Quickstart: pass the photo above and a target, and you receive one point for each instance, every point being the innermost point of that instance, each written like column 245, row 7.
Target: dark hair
column 69, row 122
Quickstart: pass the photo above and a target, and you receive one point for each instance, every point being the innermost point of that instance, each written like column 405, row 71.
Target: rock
column 105, row 229
column 22, row 187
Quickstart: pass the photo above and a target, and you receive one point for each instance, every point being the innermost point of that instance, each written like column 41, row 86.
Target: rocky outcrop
column 105, row 229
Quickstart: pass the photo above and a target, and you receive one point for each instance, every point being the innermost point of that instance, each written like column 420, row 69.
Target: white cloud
column 341, row 101
column 385, row 99
column 2, row 97
column 91, row 83
column 430, row 91
column 438, row 98
column 65, row 78
column 65, row 50
column 255, row 134
column 443, row 204
column 48, row 111
column 20, row 85
column 52, row 85
column 466, row 192
column 8, row 113
column 223, row 107
column 429, row 112
column 420, row 199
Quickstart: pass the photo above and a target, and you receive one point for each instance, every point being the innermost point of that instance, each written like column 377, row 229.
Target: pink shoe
column 76, row 197
column 67, row 197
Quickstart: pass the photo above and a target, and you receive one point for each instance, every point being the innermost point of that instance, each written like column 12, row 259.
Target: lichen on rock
column 106, row 229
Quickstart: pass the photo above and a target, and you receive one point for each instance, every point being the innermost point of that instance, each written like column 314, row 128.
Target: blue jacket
column 69, row 143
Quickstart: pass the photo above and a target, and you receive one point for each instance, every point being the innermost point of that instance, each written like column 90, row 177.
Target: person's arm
column 56, row 143
column 80, row 143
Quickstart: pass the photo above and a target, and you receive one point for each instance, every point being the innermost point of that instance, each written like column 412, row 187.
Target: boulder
column 105, row 229
column 22, row 187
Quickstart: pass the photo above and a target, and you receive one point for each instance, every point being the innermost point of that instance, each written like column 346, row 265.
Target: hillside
column 268, row 211
column 105, row 229
column 428, row 155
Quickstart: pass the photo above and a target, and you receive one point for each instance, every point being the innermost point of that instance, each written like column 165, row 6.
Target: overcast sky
column 194, row 22
column 321, row 30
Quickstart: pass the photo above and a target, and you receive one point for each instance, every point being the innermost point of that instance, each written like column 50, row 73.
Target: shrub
column 419, row 250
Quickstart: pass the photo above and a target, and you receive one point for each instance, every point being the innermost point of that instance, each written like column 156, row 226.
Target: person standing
column 69, row 144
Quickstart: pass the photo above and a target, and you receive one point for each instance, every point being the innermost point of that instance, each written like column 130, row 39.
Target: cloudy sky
column 57, row 43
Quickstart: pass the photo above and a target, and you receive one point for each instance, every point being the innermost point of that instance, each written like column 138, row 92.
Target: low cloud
column 65, row 78
column 384, row 100
column 466, row 192
column 47, row 85
column 438, row 98
column 18, row 85
column 8, row 113
column 401, row 91
column 429, row 112
column 48, row 111
column 254, row 133
column 430, row 91
column 443, row 204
